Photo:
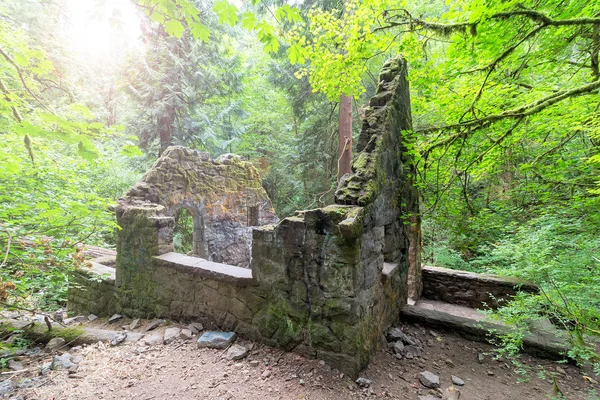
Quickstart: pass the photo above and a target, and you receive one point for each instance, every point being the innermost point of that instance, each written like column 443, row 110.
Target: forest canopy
column 505, row 104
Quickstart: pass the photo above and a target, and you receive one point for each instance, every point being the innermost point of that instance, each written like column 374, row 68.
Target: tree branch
column 466, row 128
column 20, row 72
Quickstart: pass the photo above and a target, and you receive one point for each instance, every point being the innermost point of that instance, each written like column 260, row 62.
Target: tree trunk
column 345, row 137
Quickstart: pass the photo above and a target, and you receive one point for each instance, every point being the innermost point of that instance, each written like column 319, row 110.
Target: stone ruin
column 225, row 198
column 326, row 282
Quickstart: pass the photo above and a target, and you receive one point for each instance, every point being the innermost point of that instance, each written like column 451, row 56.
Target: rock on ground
column 171, row 334
column 135, row 324
column 153, row 325
column 363, row 382
column 5, row 387
column 457, row 381
column 396, row 334
column 63, row 362
column 55, row 344
column 186, row 334
column 216, row 340
column 398, row 347
column 118, row 338
column 236, row 352
column 115, row 318
column 429, row 380
column 153, row 339
column 196, row 327
column 14, row 365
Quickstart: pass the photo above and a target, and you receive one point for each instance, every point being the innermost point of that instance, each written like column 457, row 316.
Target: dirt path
column 182, row 371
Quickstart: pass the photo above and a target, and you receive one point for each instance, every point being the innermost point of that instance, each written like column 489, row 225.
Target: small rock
column 561, row 370
column 398, row 347
column 118, row 338
column 480, row 358
column 266, row 374
column 74, row 320
column 363, row 382
column 92, row 317
column 33, row 352
column 236, row 352
column 301, row 381
column 429, row 380
column 449, row 362
column 396, row 334
column 186, row 334
column 115, row 318
column 153, row 325
column 490, row 373
column 411, row 352
column 451, row 393
column 254, row 363
column 14, row 365
column 457, row 381
column 154, row 339
column 28, row 383
column 45, row 368
column 216, row 340
column 55, row 344
column 63, row 362
column 171, row 334
column 6, row 387
column 135, row 324
column 196, row 327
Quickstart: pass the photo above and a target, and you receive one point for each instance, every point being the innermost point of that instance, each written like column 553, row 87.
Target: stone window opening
column 252, row 216
column 188, row 233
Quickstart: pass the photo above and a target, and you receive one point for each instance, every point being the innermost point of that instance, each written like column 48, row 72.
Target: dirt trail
column 182, row 371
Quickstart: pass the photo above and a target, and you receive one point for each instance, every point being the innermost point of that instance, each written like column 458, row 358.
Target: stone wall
column 469, row 289
column 326, row 282
column 92, row 289
column 339, row 275
column 223, row 196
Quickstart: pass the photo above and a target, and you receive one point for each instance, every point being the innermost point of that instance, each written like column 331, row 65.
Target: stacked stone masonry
column 469, row 289
column 325, row 282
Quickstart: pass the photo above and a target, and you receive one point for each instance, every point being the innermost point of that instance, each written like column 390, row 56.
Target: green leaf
column 226, row 12
column 296, row 54
column 157, row 17
column 201, row 32
column 248, row 20
column 21, row 59
column 174, row 28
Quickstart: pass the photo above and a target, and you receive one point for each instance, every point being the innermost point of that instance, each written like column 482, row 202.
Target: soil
column 182, row 371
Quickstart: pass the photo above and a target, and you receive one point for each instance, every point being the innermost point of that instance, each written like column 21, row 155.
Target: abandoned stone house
column 325, row 282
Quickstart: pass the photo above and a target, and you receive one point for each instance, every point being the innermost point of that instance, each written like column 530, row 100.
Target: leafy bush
column 48, row 209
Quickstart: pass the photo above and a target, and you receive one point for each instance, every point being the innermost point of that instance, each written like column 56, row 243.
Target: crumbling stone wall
column 222, row 196
column 339, row 275
column 326, row 282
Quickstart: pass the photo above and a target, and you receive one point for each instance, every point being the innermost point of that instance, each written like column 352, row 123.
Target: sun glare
column 99, row 29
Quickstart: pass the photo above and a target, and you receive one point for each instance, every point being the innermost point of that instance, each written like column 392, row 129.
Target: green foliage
column 183, row 233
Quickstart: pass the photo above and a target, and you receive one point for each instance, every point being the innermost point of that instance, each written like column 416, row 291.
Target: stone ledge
column 547, row 343
column 207, row 269
column 105, row 273
column 485, row 278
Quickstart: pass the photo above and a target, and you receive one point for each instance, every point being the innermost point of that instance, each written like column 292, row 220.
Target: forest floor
column 182, row 371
